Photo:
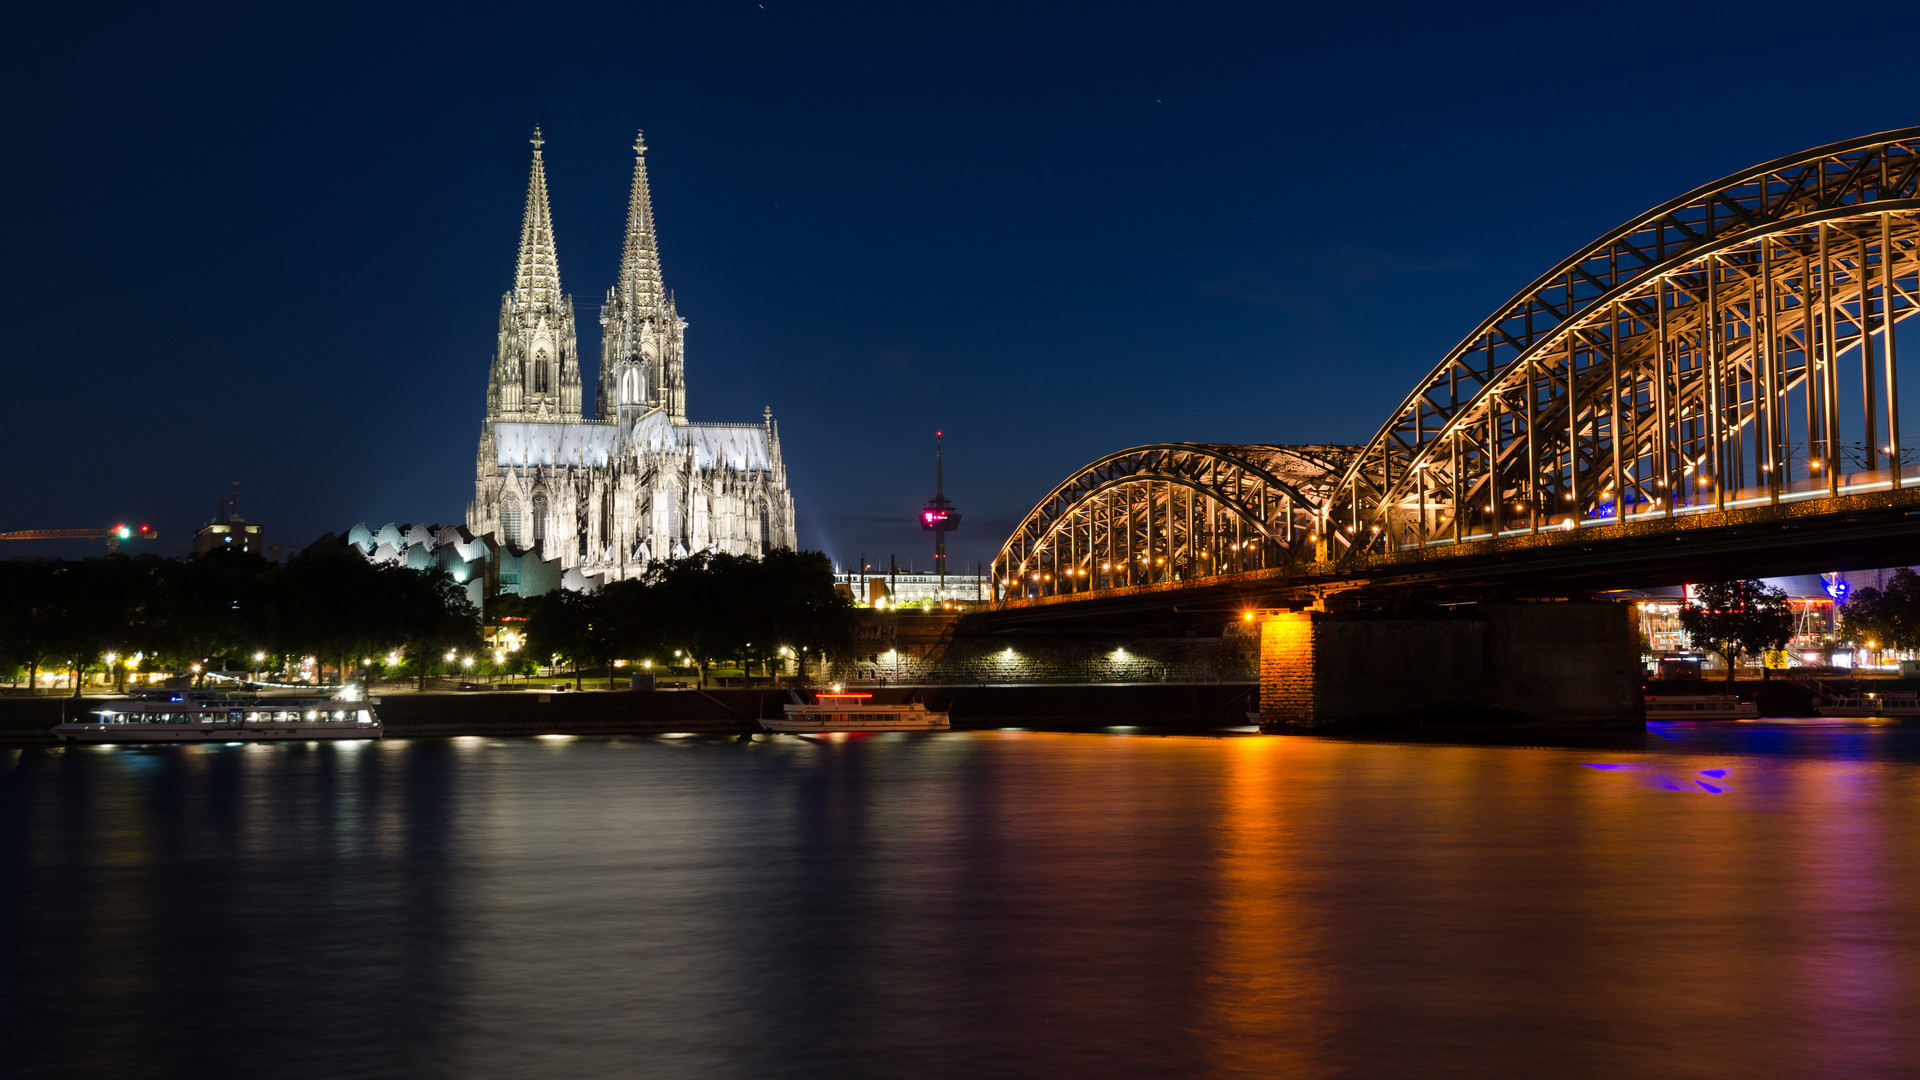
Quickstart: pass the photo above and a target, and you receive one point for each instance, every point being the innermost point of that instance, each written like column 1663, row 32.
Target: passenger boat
column 1891, row 703
column 1699, row 707
column 850, row 712
column 223, row 718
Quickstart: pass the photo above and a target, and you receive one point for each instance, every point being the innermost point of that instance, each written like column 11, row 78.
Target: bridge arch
column 1170, row 512
column 1730, row 348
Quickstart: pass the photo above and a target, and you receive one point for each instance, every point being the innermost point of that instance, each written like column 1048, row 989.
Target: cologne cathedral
column 638, row 481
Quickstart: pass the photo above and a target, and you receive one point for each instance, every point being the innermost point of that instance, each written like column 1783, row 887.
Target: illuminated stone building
column 638, row 481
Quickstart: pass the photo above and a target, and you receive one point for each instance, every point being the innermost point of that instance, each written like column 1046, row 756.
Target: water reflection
column 1731, row 900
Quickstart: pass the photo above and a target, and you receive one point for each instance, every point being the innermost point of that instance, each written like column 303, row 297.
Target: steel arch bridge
column 1168, row 513
column 1730, row 348
column 1727, row 353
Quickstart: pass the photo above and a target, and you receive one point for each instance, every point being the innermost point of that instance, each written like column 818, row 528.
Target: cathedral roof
column 738, row 447
column 575, row 443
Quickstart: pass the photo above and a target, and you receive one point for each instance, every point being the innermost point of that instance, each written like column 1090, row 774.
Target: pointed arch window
column 539, row 517
column 510, row 519
column 540, row 366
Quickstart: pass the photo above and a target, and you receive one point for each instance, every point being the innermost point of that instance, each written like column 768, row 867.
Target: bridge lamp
column 451, row 654
column 466, row 661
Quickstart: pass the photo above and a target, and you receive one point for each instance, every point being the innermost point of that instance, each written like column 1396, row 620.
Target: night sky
column 269, row 246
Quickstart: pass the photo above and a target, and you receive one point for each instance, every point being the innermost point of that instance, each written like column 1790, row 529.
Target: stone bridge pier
column 1574, row 662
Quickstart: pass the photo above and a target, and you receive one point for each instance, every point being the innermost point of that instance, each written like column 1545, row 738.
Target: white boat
column 850, row 712
column 220, row 718
column 1699, row 707
column 1891, row 703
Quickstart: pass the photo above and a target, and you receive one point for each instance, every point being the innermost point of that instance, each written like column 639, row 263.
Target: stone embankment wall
column 934, row 649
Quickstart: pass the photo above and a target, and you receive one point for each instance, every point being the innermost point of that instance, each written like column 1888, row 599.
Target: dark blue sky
column 269, row 246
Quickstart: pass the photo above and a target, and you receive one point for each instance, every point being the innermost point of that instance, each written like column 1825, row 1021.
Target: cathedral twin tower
column 638, row 481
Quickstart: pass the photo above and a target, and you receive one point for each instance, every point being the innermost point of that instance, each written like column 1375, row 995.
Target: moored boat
column 1699, row 707
column 188, row 718
column 852, row 712
column 1890, row 703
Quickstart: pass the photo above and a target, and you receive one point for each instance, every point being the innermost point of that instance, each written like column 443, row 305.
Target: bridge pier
column 1494, row 663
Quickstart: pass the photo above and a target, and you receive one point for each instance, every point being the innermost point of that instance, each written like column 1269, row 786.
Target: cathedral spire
column 536, row 284
column 640, row 288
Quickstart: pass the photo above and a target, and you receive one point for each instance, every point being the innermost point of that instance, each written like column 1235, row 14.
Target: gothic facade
column 638, row 481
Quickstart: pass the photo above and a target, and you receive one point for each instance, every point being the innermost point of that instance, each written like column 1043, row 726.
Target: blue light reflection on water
column 970, row 904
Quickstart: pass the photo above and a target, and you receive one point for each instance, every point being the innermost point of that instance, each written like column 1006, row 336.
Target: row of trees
column 697, row 612
column 224, row 609
column 221, row 609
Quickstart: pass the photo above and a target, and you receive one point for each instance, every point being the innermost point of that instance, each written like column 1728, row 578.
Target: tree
column 1736, row 618
column 30, row 609
column 213, row 607
column 429, row 611
column 699, row 611
column 800, row 606
column 332, row 604
column 563, row 625
column 1885, row 618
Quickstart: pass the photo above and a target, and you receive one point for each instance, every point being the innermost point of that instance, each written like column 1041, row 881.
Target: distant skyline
column 270, row 246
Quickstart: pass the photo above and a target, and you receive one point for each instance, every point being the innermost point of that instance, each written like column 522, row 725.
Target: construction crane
column 113, row 535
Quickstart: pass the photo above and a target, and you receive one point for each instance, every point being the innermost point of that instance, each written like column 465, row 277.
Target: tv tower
column 938, row 518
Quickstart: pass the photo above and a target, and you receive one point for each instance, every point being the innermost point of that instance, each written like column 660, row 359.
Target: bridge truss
column 1730, row 349
column 1171, row 512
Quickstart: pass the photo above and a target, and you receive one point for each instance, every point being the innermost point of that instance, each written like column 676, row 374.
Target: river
column 1730, row 900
